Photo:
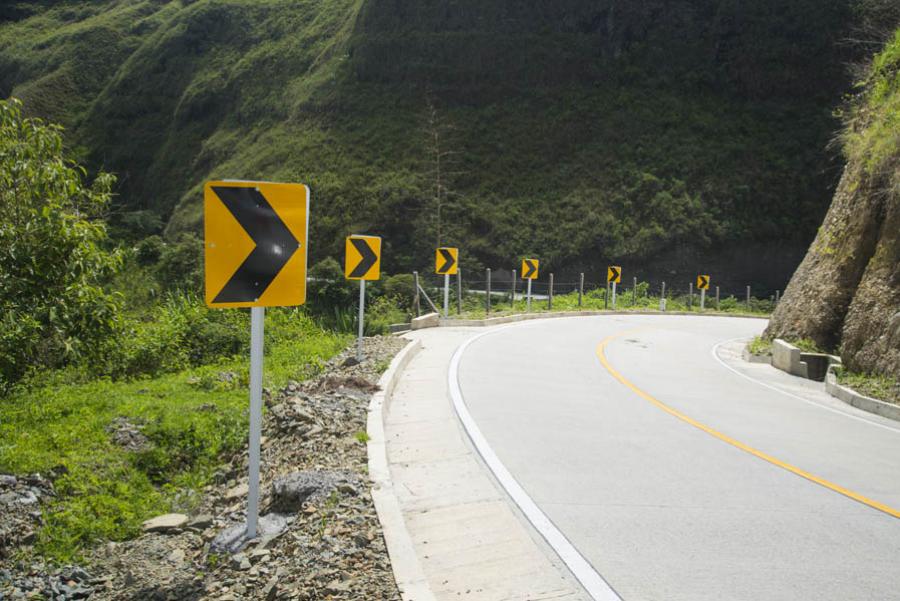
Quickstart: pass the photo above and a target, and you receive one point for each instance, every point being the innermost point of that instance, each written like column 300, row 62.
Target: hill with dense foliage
column 846, row 293
column 650, row 133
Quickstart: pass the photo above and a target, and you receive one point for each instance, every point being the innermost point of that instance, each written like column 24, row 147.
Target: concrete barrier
column 854, row 399
column 786, row 357
column 429, row 320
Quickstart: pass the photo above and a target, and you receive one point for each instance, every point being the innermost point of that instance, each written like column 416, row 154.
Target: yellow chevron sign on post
column 530, row 268
column 362, row 258
column 255, row 243
column 446, row 260
column 703, row 282
column 614, row 274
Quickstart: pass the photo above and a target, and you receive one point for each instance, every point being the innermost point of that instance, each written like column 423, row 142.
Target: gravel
column 321, row 536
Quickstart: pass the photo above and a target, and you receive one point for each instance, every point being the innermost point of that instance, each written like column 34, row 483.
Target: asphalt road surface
column 681, row 473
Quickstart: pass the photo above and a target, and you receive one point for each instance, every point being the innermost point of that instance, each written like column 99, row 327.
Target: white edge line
column 715, row 354
column 584, row 572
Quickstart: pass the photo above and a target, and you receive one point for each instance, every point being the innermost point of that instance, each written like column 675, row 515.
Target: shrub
column 53, row 307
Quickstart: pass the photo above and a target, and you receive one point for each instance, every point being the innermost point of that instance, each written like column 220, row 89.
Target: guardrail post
column 580, row 288
column 662, row 298
column 691, row 296
column 550, row 296
column 777, row 296
column 459, row 291
column 512, row 298
column 488, row 295
column 606, row 298
column 416, row 300
column 748, row 298
column 717, row 298
column 633, row 291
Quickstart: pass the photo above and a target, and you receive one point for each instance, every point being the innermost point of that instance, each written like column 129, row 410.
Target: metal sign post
column 702, row 298
column 362, row 316
column 512, row 300
column 550, row 295
column 614, row 295
column 528, row 298
column 257, row 319
column 459, row 285
column 580, row 288
column 446, row 295
column 488, row 290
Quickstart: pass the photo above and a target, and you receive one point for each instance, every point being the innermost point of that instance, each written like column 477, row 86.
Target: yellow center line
column 601, row 354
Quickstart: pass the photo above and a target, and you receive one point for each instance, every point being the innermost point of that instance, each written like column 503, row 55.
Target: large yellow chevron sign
column 446, row 260
column 255, row 243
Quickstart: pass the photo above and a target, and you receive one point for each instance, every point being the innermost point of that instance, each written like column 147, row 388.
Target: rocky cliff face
column 846, row 293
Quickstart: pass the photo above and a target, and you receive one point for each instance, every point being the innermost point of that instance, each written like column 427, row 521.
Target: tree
column 442, row 169
column 53, row 308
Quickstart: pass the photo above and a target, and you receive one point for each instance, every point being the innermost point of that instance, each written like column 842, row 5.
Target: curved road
column 681, row 473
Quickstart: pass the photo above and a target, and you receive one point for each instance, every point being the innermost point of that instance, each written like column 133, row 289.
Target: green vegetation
column 883, row 388
column 98, row 339
column 760, row 346
column 807, row 345
column 192, row 418
column 657, row 128
column 595, row 300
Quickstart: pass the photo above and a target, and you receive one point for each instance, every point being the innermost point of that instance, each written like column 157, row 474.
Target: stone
column 201, row 522
column 291, row 491
column 270, row 591
column 8, row 480
column 165, row 523
column 176, row 556
column 238, row 492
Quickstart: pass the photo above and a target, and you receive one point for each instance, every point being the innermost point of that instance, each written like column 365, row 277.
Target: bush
column 52, row 262
column 180, row 266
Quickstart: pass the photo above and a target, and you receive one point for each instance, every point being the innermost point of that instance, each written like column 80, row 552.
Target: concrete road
column 681, row 473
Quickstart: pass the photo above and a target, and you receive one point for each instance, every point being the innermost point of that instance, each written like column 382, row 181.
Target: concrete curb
column 404, row 562
column 854, row 399
column 495, row 321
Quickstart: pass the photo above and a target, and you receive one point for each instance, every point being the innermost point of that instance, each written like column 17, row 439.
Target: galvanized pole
column 459, row 292
column 362, row 314
column 606, row 298
column 717, row 298
column 257, row 320
column 580, row 288
column 633, row 291
column 777, row 296
column 417, row 302
column 528, row 298
column 550, row 296
column 662, row 298
column 512, row 300
column 691, row 296
column 446, row 295
column 702, row 299
column 488, row 295
column 614, row 296
column 748, row 298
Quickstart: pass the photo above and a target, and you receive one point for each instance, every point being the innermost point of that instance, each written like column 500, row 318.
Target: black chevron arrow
column 275, row 244
column 615, row 274
column 448, row 260
column 368, row 258
column 531, row 268
column 704, row 282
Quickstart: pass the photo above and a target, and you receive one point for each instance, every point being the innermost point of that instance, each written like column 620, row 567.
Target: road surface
column 681, row 473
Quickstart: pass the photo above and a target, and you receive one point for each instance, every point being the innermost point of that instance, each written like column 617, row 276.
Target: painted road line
column 584, row 572
column 601, row 354
column 871, row 422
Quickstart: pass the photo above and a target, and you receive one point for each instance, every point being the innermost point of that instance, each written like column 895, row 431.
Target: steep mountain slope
column 647, row 132
column 846, row 293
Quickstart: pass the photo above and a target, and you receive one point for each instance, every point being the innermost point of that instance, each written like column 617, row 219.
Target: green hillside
column 646, row 132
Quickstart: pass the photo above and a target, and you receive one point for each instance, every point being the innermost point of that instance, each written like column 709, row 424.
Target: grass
column 883, row 388
column 760, row 346
column 193, row 419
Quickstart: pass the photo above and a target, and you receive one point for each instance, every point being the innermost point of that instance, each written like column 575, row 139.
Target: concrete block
column 429, row 320
column 786, row 357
